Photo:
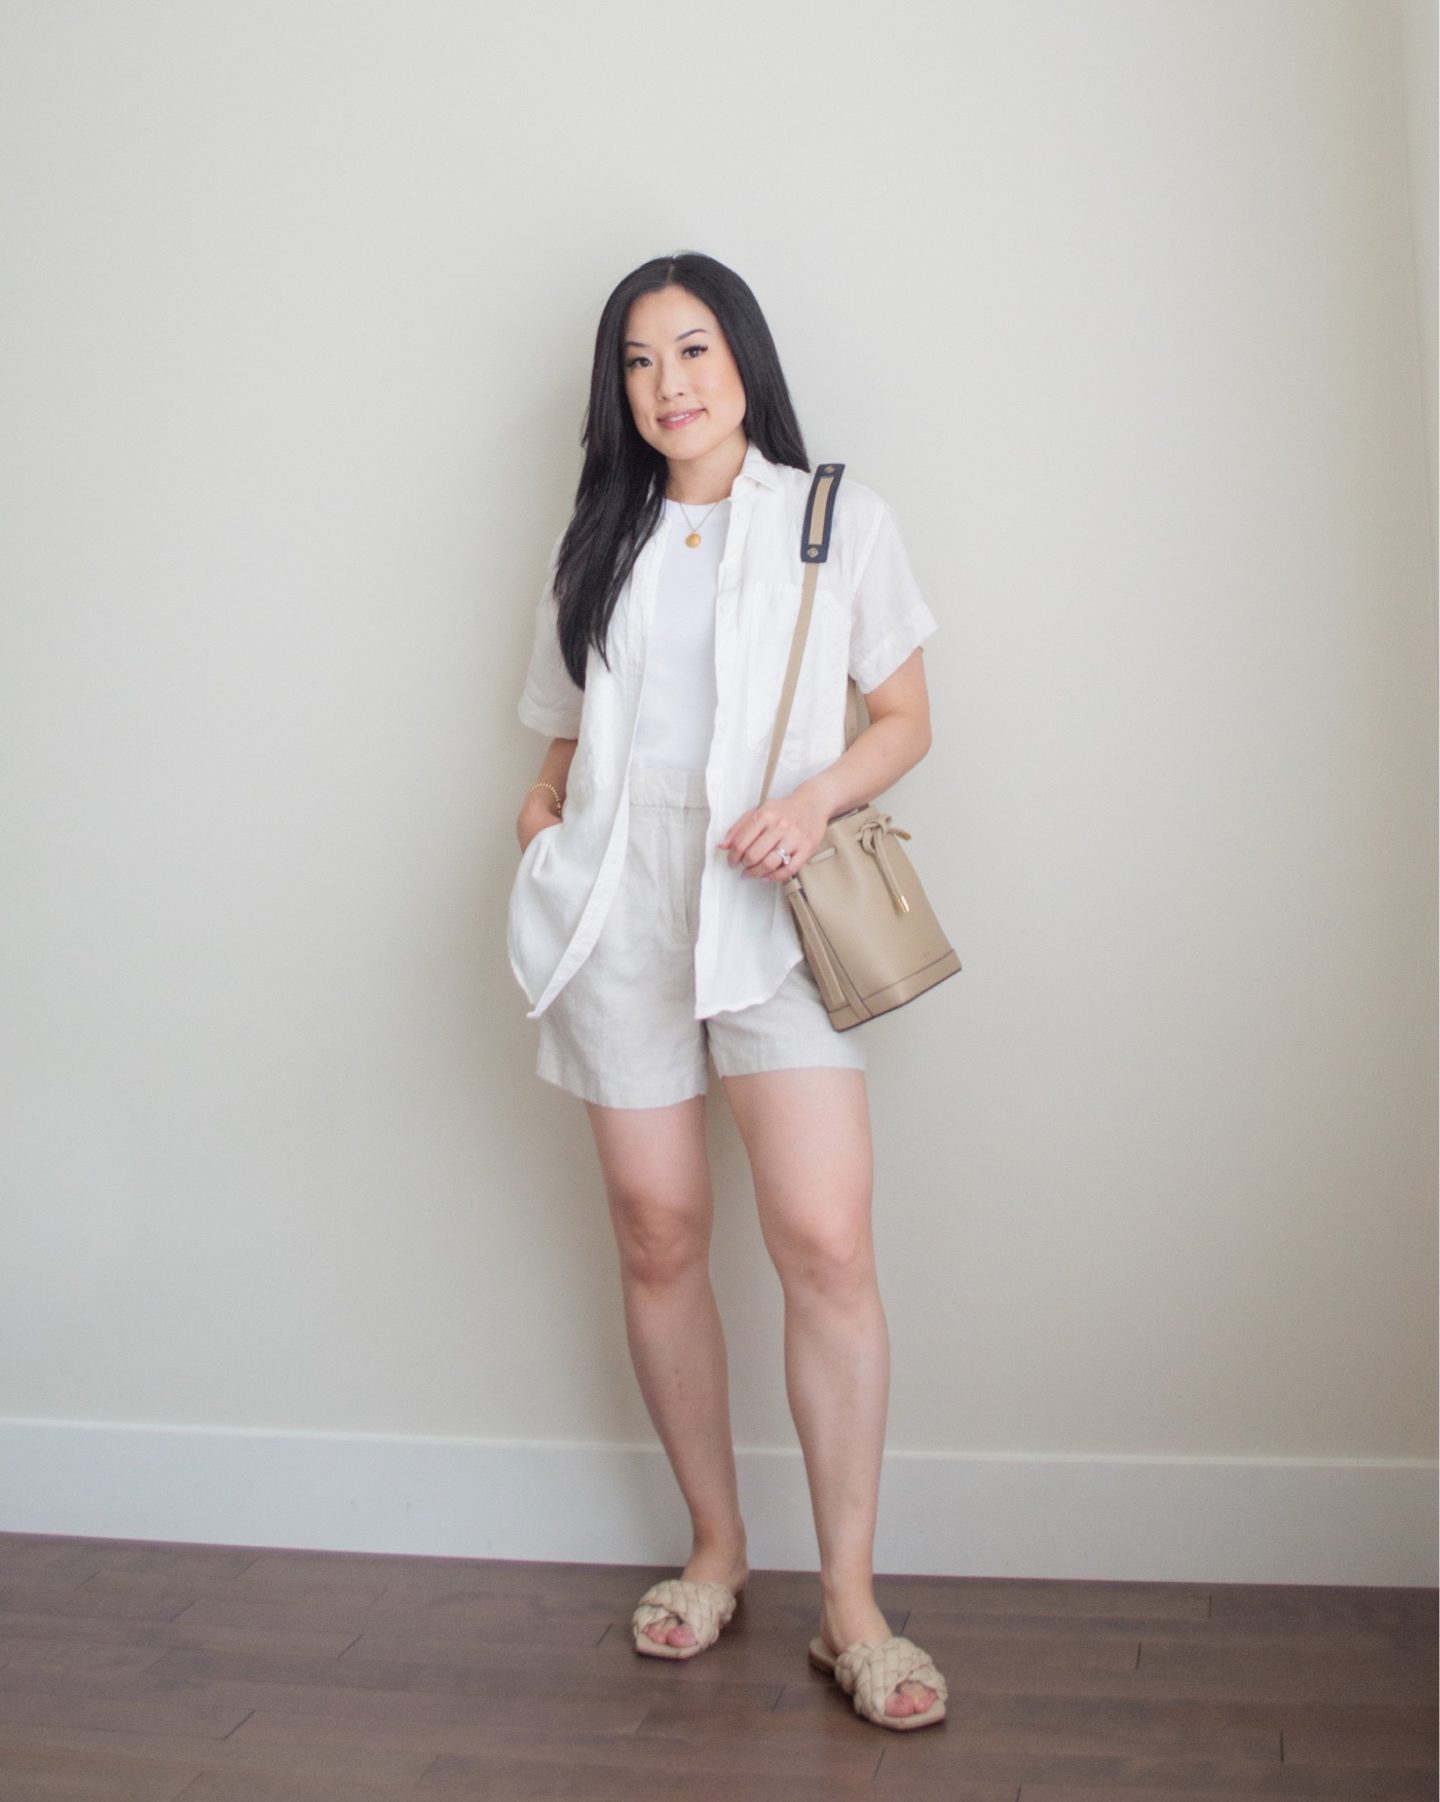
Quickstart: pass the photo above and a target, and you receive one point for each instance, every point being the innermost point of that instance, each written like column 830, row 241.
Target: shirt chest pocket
column 769, row 631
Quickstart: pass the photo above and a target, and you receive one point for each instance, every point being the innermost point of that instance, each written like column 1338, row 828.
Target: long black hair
column 621, row 492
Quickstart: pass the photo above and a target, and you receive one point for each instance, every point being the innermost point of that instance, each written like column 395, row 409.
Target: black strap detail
column 819, row 511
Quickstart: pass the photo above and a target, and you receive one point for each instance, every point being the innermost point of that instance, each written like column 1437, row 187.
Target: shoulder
column 859, row 510
column 863, row 510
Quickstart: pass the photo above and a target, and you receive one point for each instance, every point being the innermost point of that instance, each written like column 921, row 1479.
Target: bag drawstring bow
column 872, row 839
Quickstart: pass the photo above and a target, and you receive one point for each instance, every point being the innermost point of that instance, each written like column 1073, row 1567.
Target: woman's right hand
column 535, row 817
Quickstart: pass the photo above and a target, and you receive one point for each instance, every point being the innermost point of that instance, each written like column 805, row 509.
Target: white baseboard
column 1189, row 1520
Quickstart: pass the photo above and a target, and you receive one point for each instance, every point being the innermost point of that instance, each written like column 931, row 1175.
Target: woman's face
column 676, row 362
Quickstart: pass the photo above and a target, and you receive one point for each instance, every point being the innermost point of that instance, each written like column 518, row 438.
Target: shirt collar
column 759, row 468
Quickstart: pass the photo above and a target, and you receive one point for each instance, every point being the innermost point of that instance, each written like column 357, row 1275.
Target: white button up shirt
column 868, row 616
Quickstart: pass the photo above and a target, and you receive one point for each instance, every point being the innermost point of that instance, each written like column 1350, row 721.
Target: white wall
column 1420, row 60
column 1117, row 303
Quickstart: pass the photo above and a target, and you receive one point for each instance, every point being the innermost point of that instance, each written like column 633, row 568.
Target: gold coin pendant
column 693, row 540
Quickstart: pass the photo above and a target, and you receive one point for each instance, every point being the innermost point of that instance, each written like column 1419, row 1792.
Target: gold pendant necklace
column 693, row 537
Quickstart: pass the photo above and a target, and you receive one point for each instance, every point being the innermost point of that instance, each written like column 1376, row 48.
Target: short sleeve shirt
column 868, row 616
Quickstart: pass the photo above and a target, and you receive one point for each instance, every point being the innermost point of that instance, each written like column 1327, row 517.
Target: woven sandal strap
column 704, row 1607
column 871, row 1672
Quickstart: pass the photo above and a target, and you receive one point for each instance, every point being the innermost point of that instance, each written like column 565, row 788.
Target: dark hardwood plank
column 503, row 1777
column 1054, row 1598
column 263, row 1786
column 25, row 1557
column 70, row 1777
column 1334, row 1609
column 1214, row 1783
column 497, row 1673
column 345, row 1769
column 162, row 1587
column 132, row 1706
column 21, row 1656
column 19, row 1631
column 845, row 1750
column 79, row 1603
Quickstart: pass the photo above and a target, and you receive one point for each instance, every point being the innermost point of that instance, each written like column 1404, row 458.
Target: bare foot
column 704, row 1567
column 841, row 1627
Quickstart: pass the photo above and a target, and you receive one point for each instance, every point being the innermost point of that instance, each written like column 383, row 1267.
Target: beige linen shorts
column 623, row 1032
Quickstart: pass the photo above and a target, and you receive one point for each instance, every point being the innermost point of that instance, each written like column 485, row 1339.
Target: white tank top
column 677, row 702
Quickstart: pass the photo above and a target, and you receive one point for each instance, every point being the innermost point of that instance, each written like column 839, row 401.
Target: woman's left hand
column 797, row 821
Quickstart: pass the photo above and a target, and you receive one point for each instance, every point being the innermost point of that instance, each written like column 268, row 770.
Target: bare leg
column 807, row 1135
column 657, row 1183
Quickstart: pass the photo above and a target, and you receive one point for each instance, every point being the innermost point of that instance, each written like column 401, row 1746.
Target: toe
column 909, row 1697
column 671, row 1632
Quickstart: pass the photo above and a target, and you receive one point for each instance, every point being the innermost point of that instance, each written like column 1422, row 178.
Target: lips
column 674, row 421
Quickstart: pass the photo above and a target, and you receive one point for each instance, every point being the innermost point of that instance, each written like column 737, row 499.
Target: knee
column 659, row 1243
column 828, row 1259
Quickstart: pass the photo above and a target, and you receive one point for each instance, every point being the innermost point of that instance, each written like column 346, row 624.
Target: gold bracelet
column 559, row 804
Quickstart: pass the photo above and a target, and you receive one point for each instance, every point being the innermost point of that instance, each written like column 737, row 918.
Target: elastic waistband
column 651, row 786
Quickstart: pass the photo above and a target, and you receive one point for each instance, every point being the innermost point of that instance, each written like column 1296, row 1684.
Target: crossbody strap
column 814, row 549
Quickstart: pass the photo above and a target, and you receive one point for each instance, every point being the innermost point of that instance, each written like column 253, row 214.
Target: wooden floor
column 145, row 1672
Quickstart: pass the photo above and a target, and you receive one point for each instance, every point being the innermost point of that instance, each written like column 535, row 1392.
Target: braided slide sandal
column 704, row 1607
column 868, row 1673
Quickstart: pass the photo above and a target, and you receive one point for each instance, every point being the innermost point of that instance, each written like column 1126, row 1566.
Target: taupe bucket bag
column 868, row 932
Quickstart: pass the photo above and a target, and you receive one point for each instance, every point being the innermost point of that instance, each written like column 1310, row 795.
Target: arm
column 889, row 622
column 896, row 739
column 551, row 703
column 537, row 810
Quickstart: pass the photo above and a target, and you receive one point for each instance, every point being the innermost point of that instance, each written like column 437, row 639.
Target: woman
column 648, row 928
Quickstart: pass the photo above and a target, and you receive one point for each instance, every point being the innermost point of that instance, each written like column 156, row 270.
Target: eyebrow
column 639, row 344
